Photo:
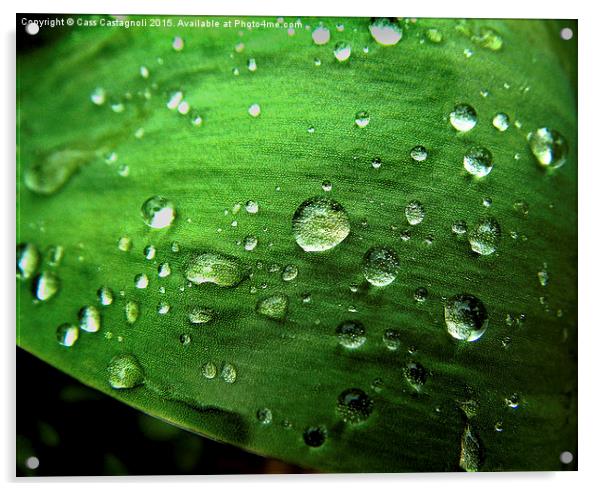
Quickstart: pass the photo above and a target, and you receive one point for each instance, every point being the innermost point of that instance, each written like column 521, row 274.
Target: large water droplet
column 67, row 334
column 125, row 372
column 201, row 315
column 321, row 35
column 414, row 212
column 211, row 267
column 46, row 285
column 380, row 265
column 342, row 51
column 463, row 117
column 549, row 147
column 158, row 212
column 465, row 317
column 501, row 121
column 351, row 334
column 354, row 406
column 89, row 319
column 314, row 436
column 470, row 450
column 415, row 374
column 48, row 176
column 228, row 373
column 28, row 260
column 485, row 236
column 386, row 31
column 273, row 307
column 478, row 161
column 320, row 224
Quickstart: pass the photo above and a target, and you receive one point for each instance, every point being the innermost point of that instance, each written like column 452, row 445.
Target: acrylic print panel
column 332, row 244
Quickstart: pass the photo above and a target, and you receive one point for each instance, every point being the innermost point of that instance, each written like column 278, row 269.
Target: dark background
column 77, row 431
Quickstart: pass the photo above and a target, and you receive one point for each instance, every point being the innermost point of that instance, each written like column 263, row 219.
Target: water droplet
column 470, row 450
column 273, row 307
column 125, row 372
column 386, row 31
column 132, row 311
column 184, row 107
column 320, row 224
column 98, row 96
column 46, row 285
column 51, row 174
column 392, row 339
column 415, row 374
column 209, row 370
column 489, row 39
column 201, row 315
column 105, row 296
column 250, row 242
column 342, row 51
column 317, row 61
column 141, row 281
column 251, row 65
column 311, row 130
column 177, row 43
column 485, row 236
column 158, row 212
column 264, row 416
column 321, row 35
column 376, row 162
column 419, row 153
column 254, row 110
column 326, row 186
column 380, row 265
column 306, row 297
column 124, row 244
column 467, row 52
column 163, row 308
column 549, row 147
column 289, row 272
column 124, row 170
column 478, row 161
column 501, row 121
column 117, row 107
column 459, row 227
column 465, row 317
column 314, row 436
column 499, row 426
column 421, row 294
column 144, row 73
column 354, row 406
column 164, row 270
column 362, row 119
column 89, row 319
column 251, row 207
column 542, row 275
column 351, row 334
column 377, row 385
column 463, row 117
column 414, row 212
column 228, row 373
column 67, row 334
column 185, row 339
column 210, row 267
column 239, row 47
column 174, row 100
column 434, row 35
column 28, row 260
column 513, row 401
column 521, row 207
column 149, row 252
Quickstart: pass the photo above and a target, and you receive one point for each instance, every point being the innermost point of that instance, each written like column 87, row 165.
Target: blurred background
column 65, row 428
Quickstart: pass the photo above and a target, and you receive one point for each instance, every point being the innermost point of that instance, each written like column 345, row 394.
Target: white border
column 590, row 274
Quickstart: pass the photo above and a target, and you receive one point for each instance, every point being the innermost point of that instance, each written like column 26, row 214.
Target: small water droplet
column 177, row 44
column 478, row 161
column 434, row 35
column 124, row 244
column 489, row 39
column 228, row 373
column 264, row 416
column 98, row 96
column 414, row 212
column 501, row 121
column 342, row 51
column 320, row 224
column 251, row 65
column 164, row 270
column 362, row 119
column 149, row 252
column 125, row 372
column 463, row 118
column 354, row 406
column 392, row 339
column 273, row 307
column 46, row 285
column 250, row 242
column 201, row 315
column 158, row 212
column 141, row 281
column 513, row 401
column 416, row 375
column 542, row 275
column 485, row 236
column 549, row 147
column 209, row 370
column 251, row 207
column 351, row 334
column 185, row 339
column 465, row 317
column 421, row 294
column 254, row 110
column 124, row 170
column 386, row 31
column 132, row 311
column 89, row 319
column 376, row 162
column 105, row 295
column 289, row 272
column 67, row 334
column 163, row 308
column 419, row 153
column 174, row 100
column 239, row 47
column 314, row 436
column 459, row 227
column 380, row 265
column 320, row 35
column 28, row 260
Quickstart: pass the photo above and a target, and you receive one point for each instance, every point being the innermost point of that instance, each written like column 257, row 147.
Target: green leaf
column 262, row 367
